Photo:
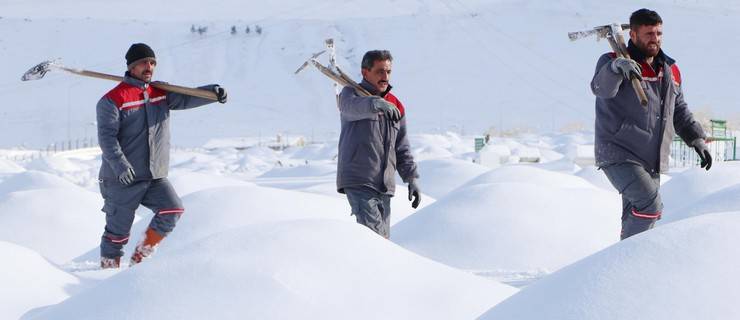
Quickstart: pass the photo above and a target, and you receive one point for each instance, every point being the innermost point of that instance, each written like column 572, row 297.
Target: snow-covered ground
column 525, row 229
column 683, row 270
column 268, row 228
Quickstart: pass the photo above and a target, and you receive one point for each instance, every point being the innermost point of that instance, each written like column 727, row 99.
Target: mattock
column 334, row 73
column 613, row 34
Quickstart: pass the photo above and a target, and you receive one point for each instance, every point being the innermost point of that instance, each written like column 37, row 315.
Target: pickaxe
column 335, row 74
column 40, row 70
column 613, row 33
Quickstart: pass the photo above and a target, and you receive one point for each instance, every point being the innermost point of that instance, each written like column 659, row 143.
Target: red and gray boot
column 110, row 263
column 146, row 247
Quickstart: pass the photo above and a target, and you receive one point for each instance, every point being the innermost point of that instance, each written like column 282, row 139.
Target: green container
column 479, row 144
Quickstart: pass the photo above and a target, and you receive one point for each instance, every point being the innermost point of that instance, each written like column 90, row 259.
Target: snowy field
column 267, row 228
column 525, row 229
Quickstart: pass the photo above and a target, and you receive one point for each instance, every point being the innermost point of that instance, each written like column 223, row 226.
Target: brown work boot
column 110, row 263
column 146, row 247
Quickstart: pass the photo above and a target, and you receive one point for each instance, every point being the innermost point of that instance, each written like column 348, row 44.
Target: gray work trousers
column 122, row 201
column 371, row 209
column 641, row 203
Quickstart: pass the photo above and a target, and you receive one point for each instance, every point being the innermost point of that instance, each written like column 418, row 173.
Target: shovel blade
column 39, row 70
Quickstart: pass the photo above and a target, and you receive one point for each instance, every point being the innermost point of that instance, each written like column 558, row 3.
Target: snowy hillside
column 459, row 65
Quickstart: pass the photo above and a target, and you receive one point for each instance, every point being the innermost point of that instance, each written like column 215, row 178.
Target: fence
column 722, row 146
column 22, row 155
column 721, row 149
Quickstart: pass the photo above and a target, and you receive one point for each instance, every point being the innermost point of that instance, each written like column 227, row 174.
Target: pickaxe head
column 40, row 70
column 601, row 32
column 313, row 57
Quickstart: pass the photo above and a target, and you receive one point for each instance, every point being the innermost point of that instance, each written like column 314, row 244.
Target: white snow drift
column 30, row 281
column 306, row 269
column 517, row 218
column 49, row 215
column 684, row 270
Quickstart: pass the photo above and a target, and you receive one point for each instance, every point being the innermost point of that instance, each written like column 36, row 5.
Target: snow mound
column 693, row 184
column 198, row 161
column 400, row 206
column 32, row 180
column 439, row 146
column 431, row 152
column 60, row 224
column 214, row 210
column 595, row 177
column 532, row 175
column 303, row 269
column 685, row 270
column 513, row 225
column 721, row 201
column 439, row 177
column 57, row 164
column 312, row 152
column 29, row 281
column 307, row 170
column 9, row 167
column 186, row 182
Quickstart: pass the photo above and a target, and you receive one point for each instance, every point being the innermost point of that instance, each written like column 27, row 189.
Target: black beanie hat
column 137, row 52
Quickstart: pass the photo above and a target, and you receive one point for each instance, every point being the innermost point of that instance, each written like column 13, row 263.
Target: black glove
column 127, row 177
column 220, row 93
column 390, row 110
column 627, row 67
column 701, row 148
column 414, row 193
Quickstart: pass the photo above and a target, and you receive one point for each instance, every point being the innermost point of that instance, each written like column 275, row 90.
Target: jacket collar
column 637, row 55
column 129, row 79
column 371, row 88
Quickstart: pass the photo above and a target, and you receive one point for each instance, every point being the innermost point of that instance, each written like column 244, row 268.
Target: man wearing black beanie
column 134, row 135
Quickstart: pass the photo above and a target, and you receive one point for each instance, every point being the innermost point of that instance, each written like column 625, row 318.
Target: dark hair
column 375, row 55
column 644, row 17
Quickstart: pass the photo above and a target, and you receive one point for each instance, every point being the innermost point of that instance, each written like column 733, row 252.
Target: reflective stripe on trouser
column 371, row 209
column 641, row 203
column 122, row 201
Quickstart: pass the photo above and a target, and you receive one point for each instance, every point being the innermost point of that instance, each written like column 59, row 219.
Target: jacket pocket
column 632, row 137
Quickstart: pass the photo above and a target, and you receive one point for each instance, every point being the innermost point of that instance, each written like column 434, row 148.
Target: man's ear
column 364, row 72
column 633, row 33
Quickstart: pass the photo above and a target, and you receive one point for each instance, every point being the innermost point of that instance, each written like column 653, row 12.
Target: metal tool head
column 305, row 64
column 40, row 70
column 601, row 32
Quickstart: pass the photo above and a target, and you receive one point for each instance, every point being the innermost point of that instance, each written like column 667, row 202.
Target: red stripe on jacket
column 125, row 93
column 648, row 72
column 392, row 99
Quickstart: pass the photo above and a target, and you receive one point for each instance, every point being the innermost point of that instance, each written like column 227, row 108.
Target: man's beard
column 648, row 51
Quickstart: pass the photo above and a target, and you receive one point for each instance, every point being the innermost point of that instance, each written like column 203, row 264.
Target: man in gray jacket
column 633, row 142
column 134, row 135
column 373, row 145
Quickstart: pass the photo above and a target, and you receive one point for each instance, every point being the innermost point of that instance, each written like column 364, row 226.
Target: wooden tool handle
column 620, row 48
column 637, row 85
column 340, row 80
column 205, row 94
column 200, row 93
